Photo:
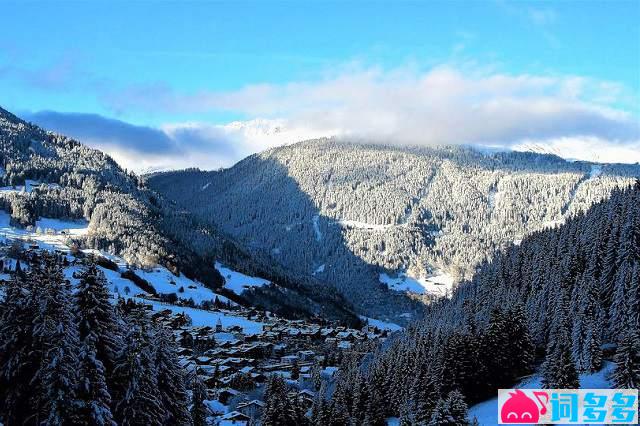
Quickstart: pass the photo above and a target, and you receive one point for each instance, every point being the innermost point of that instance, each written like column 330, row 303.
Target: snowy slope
column 49, row 241
column 237, row 282
column 487, row 412
column 438, row 284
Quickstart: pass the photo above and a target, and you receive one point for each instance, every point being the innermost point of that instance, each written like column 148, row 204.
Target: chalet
column 225, row 394
column 235, row 329
column 186, row 352
column 306, row 355
column 235, row 418
column 346, row 336
column 202, row 360
column 252, row 409
column 289, row 359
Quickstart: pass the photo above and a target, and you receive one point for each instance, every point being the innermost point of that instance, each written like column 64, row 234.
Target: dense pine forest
column 68, row 356
column 559, row 303
column 345, row 212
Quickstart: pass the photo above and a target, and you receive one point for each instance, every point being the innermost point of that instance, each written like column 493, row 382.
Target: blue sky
column 161, row 64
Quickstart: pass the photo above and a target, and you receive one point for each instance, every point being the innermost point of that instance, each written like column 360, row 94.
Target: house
column 225, row 394
column 306, row 355
column 202, row 360
column 289, row 359
column 252, row 409
column 235, row 418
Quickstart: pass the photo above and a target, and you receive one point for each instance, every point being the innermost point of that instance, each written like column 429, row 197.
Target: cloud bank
column 443, row 105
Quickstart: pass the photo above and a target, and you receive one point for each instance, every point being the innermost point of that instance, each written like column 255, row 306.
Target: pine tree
column 18, row 360
column 320, row 412
column 171, row 380
column 425, row 391
column 93, row 396
column 135, row 376
column 199, row 412
column 376, row 411
column 56, row 338
column 95, row 315
column 458, row 408
column 627, row 360
column 441, row 415
column 277, row 407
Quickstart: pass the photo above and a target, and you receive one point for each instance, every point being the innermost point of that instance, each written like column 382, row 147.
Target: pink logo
column 519, row 408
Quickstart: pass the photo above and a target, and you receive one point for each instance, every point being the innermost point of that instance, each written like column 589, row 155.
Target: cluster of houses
column 234, row 364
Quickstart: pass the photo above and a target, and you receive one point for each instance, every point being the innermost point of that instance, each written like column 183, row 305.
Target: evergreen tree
column 441, row 415
column 18, row 360
column 135, row 376
column 93, row 396
column 199, row 412
column 627, row 360
column 171, row 380
column 458, row 408
column 55, row 337
column 95, row 315
column 278, row 409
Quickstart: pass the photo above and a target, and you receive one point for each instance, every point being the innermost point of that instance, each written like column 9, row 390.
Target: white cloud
column 585, row 149
column 443, row 105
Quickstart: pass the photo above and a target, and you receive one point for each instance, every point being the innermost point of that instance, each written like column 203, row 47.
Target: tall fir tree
column 56, row 338
column 171, row 380
column 92, row 393
column 199, row 411
column 135, row 376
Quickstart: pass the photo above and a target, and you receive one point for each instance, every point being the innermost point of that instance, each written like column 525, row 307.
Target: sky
column 174, row 84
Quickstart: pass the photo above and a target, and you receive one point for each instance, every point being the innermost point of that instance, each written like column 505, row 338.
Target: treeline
column 68, row 356
column 556, row 304
column 448, row 207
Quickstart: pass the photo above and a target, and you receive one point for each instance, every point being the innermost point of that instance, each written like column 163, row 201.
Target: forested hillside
column 43, row 174
column 69, row 356
column 347, row 213
column 558, row 303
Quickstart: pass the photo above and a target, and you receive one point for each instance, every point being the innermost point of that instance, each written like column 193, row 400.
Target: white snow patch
column 487, row 412
column 382, row 325
column 439, row 284
column 596, row 170
column 27, row 187
column 205, row 186
column 319, row 269
column 238, row 282
column 316, row 227
column 492, row 198
column 69, row 227
column 553, row 223
column 354, row 224
column 163, row 281
column 201, row 318
column 56, row 240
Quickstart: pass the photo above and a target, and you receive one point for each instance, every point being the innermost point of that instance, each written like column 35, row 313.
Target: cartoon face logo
column 519, row 408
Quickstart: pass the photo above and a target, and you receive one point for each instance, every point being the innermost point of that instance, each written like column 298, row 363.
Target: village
column 234, row 364
column 232, row 349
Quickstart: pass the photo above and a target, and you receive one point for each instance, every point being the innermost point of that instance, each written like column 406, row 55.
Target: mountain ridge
column 348, row 212
column 128, row 219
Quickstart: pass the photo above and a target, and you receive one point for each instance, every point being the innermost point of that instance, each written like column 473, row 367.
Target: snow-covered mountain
column 52, row 176
column 377, row 221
